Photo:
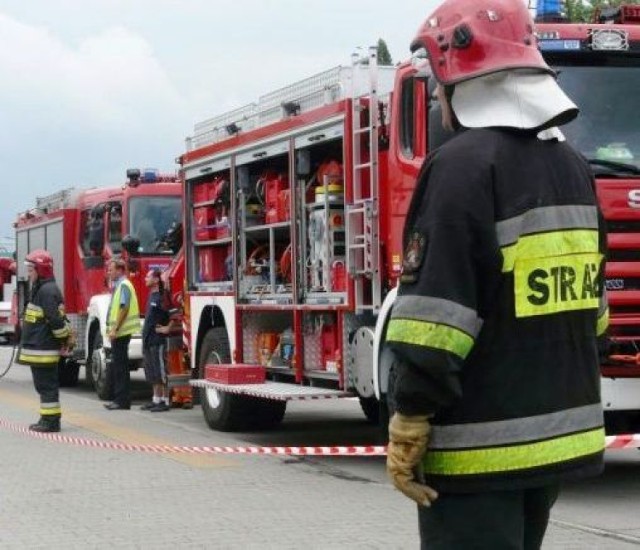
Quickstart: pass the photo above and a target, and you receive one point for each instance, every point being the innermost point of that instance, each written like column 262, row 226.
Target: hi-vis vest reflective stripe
column 131, row 325
column 517, row 444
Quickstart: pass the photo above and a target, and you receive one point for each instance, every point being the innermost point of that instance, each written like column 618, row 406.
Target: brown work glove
column 408, row 438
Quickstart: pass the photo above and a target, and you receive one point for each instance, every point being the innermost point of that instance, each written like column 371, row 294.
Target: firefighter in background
column 500, row 304
column 45, row 331
column 122, row 322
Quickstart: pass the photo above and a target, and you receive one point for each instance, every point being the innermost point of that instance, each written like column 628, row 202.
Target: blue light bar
column 150, row 175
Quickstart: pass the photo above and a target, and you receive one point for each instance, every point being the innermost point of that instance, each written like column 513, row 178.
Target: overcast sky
column 91, row 87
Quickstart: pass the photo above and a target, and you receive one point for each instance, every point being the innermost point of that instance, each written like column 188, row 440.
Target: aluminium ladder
column 362, row 212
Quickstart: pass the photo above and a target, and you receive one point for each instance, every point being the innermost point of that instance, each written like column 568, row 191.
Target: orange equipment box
column 235, row 374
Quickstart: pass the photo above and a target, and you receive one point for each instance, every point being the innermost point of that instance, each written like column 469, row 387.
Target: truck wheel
column 268, row 413
column 68, row 370
column 99, row 368
column 222, row 411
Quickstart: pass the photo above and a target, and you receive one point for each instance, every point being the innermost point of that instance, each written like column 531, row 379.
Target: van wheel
column 222, row 411
column 100, row 370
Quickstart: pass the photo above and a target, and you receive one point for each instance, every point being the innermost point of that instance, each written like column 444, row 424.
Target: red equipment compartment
column 200, row 193
column 203, row 216
column 235, row 374
column 212, row 264
column 274, row 186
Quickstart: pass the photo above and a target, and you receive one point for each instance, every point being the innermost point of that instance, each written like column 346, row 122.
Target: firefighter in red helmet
column 501, row 303
column 45, row 331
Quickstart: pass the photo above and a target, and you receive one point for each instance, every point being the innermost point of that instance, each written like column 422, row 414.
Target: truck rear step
column 279, row 391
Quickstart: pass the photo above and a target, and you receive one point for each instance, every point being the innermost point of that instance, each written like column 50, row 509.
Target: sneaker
column 160, row 407
column 148, row 406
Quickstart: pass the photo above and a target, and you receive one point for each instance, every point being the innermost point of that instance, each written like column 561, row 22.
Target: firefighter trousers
column 119, row 371
column 45, row 380
column 498, row 520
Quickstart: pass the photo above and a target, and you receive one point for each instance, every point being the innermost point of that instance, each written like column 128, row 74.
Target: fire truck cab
column 598, row 65
column 83, row 229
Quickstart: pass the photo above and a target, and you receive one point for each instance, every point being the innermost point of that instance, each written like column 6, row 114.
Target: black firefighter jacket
column 498, row 310
column 45, row 327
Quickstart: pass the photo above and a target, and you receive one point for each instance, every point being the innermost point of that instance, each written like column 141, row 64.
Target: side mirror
column 131, row 244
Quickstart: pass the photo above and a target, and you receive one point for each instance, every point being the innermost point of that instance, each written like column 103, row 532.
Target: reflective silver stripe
column 546, row 218
column 55, row 405
column 32, row 307
column 518, row 430
column 439, row 311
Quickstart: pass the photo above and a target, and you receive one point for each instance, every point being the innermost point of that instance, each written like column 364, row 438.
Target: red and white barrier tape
column 363, row 450
column 628, row 441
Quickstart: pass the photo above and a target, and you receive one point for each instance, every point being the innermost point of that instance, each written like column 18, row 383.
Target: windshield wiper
column 615, row 166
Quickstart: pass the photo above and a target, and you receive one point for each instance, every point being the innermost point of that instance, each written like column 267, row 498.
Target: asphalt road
column 67, row 493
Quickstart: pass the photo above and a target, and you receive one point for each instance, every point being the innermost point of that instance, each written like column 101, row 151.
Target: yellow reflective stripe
column 35, row 310
column 433, row 335
column 554, row 243
column 549, row 285
column 61, row 332
column 52, row 411
column 40, row 359
column 603, row 323
column 514, row 457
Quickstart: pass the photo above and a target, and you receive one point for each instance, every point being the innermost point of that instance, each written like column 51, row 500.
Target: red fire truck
column 83, row 229
column 7, row 288
column 294, row 211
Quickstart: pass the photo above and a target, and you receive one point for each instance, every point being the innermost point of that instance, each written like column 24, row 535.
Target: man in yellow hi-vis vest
column 123, row 321
column 501, row 301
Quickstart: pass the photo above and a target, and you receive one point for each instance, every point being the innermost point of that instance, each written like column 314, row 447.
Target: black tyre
column 68, row 371
column 99, row 367
column 267, row 413
column 222, row 411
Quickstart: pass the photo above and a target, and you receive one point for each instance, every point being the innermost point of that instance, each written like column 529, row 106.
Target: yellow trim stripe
column 40, row 359
column 61, row 332
column 51, row 412
column 603, row 323
column 554, row 243
column 515, row 457
column 432, row 335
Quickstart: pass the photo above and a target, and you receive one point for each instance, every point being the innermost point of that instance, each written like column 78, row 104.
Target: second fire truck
column 295, row 206
column 83, row 229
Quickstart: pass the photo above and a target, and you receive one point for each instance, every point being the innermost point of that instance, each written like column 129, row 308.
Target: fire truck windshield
column 150, row 218
column 606, row 131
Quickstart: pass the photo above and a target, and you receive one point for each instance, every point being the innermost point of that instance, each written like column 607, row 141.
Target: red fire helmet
column 42, row 262
column 465, row 39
